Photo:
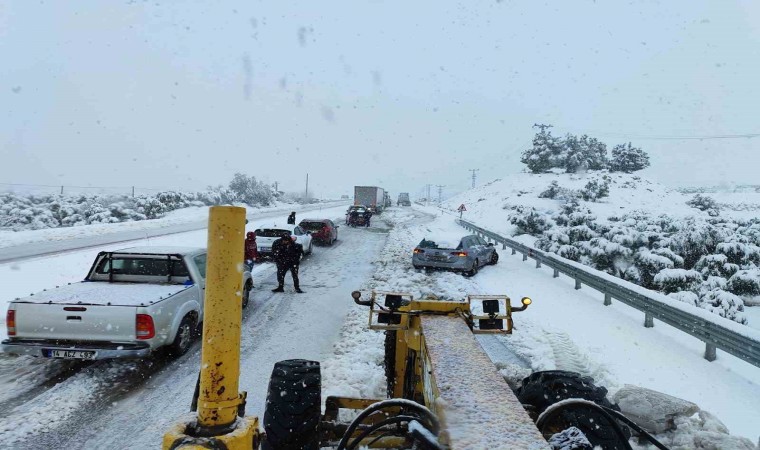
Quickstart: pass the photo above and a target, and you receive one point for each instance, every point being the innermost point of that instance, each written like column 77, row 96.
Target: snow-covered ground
column 563, row 329
column 21, row 244
column 488, row 204
column 130, row 404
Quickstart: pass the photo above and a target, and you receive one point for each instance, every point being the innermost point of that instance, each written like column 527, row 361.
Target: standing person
column 367, row 216
column 292, row 218
column 287, row 255
column 251, row 251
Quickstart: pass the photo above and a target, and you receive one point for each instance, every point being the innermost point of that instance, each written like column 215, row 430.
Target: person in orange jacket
column 251, row 251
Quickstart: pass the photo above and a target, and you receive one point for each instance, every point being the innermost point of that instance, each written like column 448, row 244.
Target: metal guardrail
column 715, row 332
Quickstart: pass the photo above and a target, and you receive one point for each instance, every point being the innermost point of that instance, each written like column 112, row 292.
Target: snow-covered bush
column 626, row 158
column 676, row 280
column 594, row 190
column 745, row 283
column 716, row 265
column 725, row 304
column 530, row 221
column 251, row 191
column 649, row 265
column 705, row 203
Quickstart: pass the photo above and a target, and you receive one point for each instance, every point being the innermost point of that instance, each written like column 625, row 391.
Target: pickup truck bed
column 105, row 293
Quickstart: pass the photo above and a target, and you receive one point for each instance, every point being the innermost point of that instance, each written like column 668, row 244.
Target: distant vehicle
column 344, row 197
column 403, row 199
column 371, row 197
column 467, row 257
column 322, row 230
column 132, row 302
column 361, row 217
column 266, row 236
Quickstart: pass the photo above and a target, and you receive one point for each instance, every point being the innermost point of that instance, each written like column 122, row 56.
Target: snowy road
column 128, row 404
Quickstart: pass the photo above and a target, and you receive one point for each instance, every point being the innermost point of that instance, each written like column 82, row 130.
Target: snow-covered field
column 21, row 244
column 563, row 329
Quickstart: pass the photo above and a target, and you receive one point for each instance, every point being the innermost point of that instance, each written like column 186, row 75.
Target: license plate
column 70, row 354
column 438, row 258
column 265, row 249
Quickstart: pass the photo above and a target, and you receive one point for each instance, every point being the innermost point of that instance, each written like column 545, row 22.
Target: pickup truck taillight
column 10, row 322
column 144, row 327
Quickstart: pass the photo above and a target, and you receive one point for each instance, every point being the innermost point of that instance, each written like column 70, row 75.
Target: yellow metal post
column 219, row 399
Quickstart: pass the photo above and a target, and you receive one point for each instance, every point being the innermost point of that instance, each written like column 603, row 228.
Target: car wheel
column 247, row 292
column 494, row 258
column 184, row 336
column 473, row 270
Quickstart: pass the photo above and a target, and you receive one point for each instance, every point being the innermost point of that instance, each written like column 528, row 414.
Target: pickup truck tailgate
column 75, row 322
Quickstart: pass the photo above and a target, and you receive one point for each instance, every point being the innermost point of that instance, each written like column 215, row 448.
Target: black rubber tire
column 494, row 258
column 543, row 389
column 293, row 407
column 474, row 271
column 247, row 292
column 184, row 337
column 390, row 360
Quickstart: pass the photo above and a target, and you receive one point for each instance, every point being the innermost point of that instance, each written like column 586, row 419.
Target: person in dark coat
column 367, row 217
column 287, row 255
column 251, row 251
column 292, row 218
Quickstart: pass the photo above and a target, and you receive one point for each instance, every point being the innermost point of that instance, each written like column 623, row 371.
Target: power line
column 653, row 137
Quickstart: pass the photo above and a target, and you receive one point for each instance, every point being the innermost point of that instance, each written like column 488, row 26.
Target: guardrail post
column 538, row 264
column 577, row 284
column 607, row 299
column 710, row 352
column 503, row 246
column 525, row 256
column 648, row 320
column 556, row 273
column 514, row 252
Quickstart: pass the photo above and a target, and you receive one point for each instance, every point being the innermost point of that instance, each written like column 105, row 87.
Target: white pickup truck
column 132, row 302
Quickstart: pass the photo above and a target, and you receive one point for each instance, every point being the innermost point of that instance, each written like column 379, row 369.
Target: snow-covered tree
column 626, row 158
column 545, row 153
column 529, row 221
column 716, row 265
column 594, row 190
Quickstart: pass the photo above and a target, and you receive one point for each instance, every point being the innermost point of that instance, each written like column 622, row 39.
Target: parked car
column 266, row 236
column 322, row 230
column 468, row 256
column 132, row 302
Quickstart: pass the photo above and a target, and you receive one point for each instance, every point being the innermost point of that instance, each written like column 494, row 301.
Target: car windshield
column 272, row 232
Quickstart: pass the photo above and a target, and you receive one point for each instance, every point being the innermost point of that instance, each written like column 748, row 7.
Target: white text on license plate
column 265, row 249
column 72, row 354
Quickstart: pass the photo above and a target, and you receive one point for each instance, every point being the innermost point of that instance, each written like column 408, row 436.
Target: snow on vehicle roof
column 278, row 227
column 161, row 250
column 102, row 293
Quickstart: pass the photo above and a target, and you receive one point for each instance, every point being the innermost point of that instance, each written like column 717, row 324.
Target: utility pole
column 133, row 192
column 542, row 126
column 307, row 187
column 275, row 187
column 440, row 192
column 427, row 198
column 61, row 190
column 473, row 176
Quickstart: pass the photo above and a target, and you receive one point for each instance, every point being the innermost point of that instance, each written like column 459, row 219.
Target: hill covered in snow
column 696, row 248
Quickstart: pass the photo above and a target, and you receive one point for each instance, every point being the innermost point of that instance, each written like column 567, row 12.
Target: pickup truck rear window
column 143, row 266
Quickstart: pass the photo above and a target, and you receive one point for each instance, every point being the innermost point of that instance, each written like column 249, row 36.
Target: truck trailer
column 370, row 196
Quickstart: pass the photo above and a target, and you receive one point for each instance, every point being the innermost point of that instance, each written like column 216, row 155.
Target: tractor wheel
column 543, row 389
column 390, row 360
column 293, row 407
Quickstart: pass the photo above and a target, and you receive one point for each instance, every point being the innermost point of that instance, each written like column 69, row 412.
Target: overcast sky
column 182, row 94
